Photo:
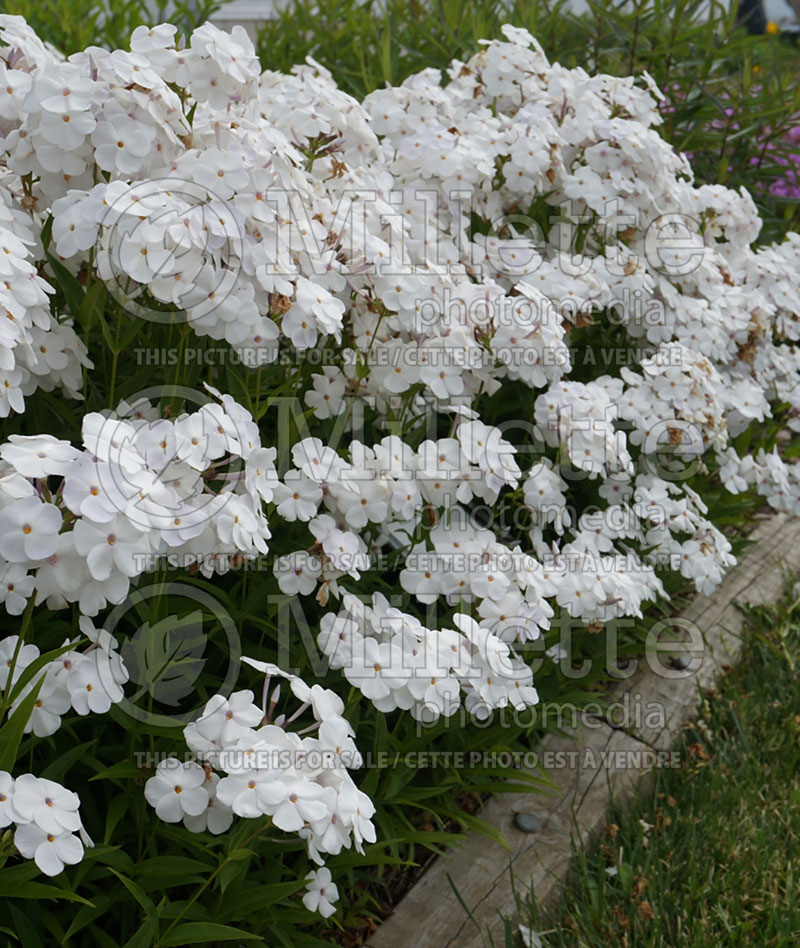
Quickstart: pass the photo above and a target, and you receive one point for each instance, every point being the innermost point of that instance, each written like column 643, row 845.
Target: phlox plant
column 336, row 431
column 731, row 97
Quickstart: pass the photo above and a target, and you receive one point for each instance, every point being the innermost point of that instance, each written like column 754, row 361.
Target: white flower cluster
column 140, row 487
column 518, row 227
column 301, row 782
column 766, row 472
column 87, row 682
column 37, row 349
column 273, row 214
column 46, row 816
column 398, row 663
column 275, row 210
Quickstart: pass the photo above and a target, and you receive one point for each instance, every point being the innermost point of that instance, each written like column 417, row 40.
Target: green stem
column 112, row 383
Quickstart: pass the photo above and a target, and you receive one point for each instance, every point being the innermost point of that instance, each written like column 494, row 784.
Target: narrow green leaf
column 142, row 938
column 12, row 731
column 93, row 305
column 68, row 284
column 142, row 898
column 195, row 933
column 38, row 890
column 122, row 769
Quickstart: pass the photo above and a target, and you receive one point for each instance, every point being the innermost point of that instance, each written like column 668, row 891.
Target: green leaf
column 121, row 334
column 103, row 940
column 625, row 876
column 57, row 768
column 21, row 889
column 238, row 387
column 239, row 854
column 93, row 305
column 193, row 933
column 123, row 768
column 117, row 809
column 68, row 284
column 47, row 232
column 178, row 866
column 108, row 336
column 142, row 898
column 257, row 897
column 129, row 333
column 229, row 873
column 142, row 938
column 85, row 916
column 25, row 930
column 12, row 731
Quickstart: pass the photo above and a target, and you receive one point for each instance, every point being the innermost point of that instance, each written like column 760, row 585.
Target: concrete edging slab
column 430, row 915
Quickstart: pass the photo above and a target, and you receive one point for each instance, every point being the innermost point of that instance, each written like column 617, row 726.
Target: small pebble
column 527, row 822
column 678, row 661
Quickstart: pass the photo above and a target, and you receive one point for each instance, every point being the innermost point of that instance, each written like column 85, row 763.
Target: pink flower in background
column 789, row 185
column 786, row 186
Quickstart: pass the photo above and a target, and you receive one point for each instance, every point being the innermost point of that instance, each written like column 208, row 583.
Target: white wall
column 780, row 12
